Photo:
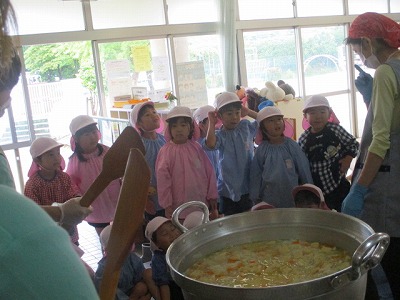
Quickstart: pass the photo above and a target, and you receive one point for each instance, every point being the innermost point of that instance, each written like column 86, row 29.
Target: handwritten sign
column 141, row 58
column 192, row 84
column 119, row 86
column 117, row 68
column 161, row 68
column 139, row 92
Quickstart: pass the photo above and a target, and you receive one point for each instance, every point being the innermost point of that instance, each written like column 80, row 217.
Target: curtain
column 227, row 33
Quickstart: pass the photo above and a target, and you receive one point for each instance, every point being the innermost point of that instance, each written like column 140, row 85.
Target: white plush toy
column 263, row 91
column 275, row 93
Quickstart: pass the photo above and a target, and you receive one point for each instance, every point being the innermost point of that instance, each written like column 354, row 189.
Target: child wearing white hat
column 236, row 149
column 279, row 164
column 161, row 233
column 309, row 196
column 329, row 149
column 184, row 172
column 147, row 121
column 48, row 183
column 135, row 282
column 85, row 164
column 200, row 116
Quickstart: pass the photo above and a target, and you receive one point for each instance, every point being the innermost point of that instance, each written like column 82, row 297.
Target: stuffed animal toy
column 263, row 100
column 274, row 93
column 253, row 99
column 240, row 91
column 288, row 89
column 263, row 91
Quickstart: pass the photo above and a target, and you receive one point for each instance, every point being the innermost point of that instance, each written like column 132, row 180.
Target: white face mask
column 4, row 107
column 371, row 61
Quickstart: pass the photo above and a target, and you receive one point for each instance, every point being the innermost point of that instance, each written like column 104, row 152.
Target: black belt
column 382, row 168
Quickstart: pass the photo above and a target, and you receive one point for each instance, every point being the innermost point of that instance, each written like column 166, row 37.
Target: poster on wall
column 192, row 84
column 141, row 56
column 161, row 68
column 117, row 68
column 119, row 80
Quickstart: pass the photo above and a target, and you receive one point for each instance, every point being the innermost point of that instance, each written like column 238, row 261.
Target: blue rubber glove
column 364, row 84
column 354, row 202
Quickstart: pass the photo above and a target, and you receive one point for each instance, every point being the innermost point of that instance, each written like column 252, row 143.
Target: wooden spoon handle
column 128, row 218
column 95, row 189
column 114, row 163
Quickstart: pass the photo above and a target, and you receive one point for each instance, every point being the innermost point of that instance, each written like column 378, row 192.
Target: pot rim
column 217, row 229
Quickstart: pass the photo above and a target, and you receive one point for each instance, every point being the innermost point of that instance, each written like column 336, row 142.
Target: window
column 198, row 69
column 255, row 9
column 266, row 61
column 394, row 6
column 58, row 87
column 46, row 16
column 19, row 116
column 324, row 59
column 309, row 8
column 134, row 64
column 341, row 106
column 357, row 7
column 194, row 11
column 122, row 13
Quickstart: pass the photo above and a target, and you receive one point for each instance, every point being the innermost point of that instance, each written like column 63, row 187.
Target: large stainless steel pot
column 334, row 228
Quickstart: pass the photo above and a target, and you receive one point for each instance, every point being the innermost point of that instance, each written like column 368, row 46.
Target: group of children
column 213, row 155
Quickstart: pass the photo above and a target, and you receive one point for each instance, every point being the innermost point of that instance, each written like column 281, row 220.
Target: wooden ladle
column 128, row 218
column 114, row 163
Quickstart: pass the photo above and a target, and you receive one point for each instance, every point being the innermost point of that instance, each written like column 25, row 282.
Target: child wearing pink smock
column 85, row 164
column 47, row 183
column 184, row 172
column 147, row 121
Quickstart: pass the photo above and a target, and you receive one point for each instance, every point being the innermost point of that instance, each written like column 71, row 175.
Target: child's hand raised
column 212, row 117
column 244, row 111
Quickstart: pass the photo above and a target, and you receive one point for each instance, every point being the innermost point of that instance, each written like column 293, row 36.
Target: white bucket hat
column 226, row 98
column 194, row 219
column 267, row 112
column 135, row 112
column 80, row 122
column 152, row 227
column 42, row 145
column 179, row 111
column 313, row 189
column 308, row 187
column 202, row 113
column 105, row 236
column 315, row 101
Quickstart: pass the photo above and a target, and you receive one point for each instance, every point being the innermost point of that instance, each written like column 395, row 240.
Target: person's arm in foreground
column 37, row 260
column 69, row 212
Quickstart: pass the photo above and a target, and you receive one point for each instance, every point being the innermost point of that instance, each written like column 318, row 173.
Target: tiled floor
column 89, row 242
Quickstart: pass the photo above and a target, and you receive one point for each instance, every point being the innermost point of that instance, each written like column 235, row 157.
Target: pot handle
column 367, row 256
column 177, row 212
